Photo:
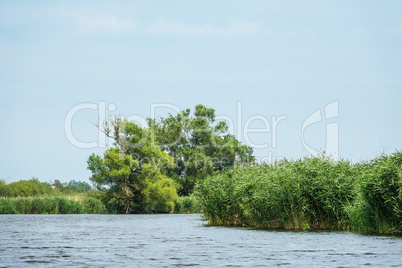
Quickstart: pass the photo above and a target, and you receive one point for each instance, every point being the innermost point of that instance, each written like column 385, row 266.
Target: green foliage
column 378, row 207
column 6, row 206
column 35, row 197
column 22, row 205
column 71, row 187
column 3, row 188
column 313, row 193
column 160, row 196
column 67, row 206
column 186, row 204
column 199, row 144
column 93, row 206
column 31, row 187
column 41, row 206
column 59, row 184
column 50, row 205
column 130, row 173
column 149, row 166
column 216, row 199
column 80, row 186
column 110, row 205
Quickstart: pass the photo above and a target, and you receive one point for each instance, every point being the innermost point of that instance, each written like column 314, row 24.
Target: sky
column 291, row 78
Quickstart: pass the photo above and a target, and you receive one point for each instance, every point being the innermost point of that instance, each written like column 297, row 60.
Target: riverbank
column 75, row 204
column 51, row 205
column 308, row 194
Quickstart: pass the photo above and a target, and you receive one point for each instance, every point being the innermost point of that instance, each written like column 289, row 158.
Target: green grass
column 50, row 205
column 310, row 193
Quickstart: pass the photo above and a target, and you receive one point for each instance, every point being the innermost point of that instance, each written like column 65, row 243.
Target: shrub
column 186, row 204
column 6, row 206
column 25, row 188
column 92, row 206
column 66, row 206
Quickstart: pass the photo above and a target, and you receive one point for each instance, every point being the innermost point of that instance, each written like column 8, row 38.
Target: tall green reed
column 50, row 205
column 310, row 193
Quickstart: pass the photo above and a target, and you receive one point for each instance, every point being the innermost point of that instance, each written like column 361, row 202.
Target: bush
column 6, row 206
column 66, row 206
column 25, row 188
column 22, row 205
column 46, row 205
column 186, row 204
column 92, row 206
column 160, row 195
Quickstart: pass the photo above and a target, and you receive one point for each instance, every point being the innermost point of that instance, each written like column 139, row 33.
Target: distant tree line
column 80, row 186
column 33, row 187
column 35, row 197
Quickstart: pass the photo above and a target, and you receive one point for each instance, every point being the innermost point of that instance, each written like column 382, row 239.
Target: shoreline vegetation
column 149, row 167
column 35, row 197
column 75, row 205
column 314, row 193
column 191, row 163
column 51, row 205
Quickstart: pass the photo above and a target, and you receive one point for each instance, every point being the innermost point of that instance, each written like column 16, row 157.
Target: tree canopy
column 149, row 166
column 199, row 144
column 130, row 172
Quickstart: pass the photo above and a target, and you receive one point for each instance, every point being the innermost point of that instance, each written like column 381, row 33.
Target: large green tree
column 199, row 144
column 148, row 166
column 130, row 172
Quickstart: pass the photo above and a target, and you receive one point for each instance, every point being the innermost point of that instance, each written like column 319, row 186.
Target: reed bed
column 186, row 204
column 315, row 193
column 51, row 205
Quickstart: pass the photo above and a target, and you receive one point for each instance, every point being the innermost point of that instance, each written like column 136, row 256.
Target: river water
column 179, row 240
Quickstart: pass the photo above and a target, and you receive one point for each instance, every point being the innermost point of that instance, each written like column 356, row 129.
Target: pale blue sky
column 275, row 57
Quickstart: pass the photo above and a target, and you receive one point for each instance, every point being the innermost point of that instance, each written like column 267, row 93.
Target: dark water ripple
column 179, row 241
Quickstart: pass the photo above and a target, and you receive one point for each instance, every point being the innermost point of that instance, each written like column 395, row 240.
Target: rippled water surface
column 179, row 240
